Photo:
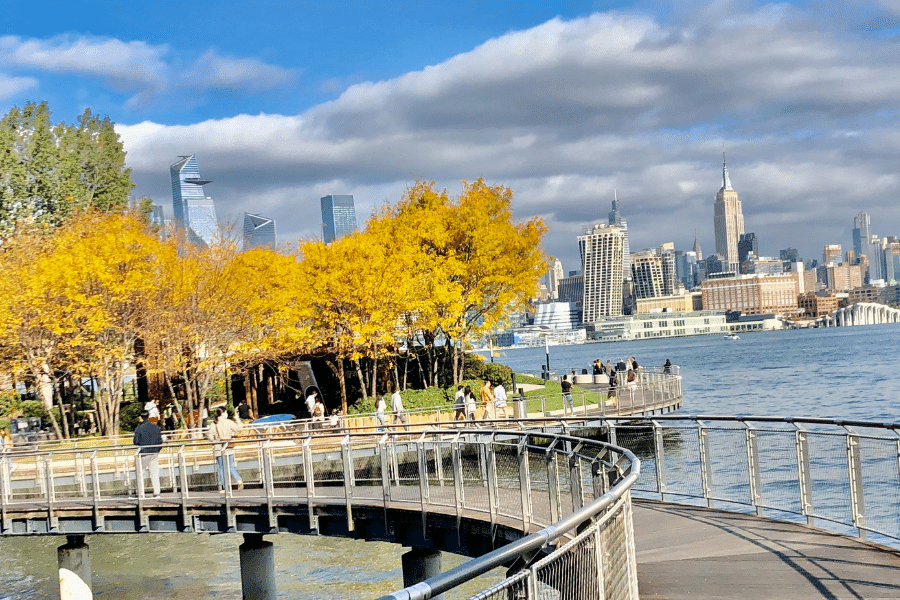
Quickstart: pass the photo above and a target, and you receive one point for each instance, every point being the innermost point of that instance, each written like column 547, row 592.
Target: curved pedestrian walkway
column 685, row 552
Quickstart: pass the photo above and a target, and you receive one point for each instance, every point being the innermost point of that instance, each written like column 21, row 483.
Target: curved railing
column 566, row 489
column 840, row 475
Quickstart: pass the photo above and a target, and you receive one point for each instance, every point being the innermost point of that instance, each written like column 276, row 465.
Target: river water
column 849, row 372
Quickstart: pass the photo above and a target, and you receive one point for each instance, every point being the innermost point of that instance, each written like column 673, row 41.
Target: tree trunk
column 374, row 378
column 341, row 377
column 45, row 389
column 362, row 382
column 62, row 411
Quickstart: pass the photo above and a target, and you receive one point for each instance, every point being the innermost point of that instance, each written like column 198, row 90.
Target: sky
column 564, row 102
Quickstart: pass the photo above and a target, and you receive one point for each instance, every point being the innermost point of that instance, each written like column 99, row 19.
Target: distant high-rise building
column 697, row 249
column 259, row 232
column 601, row 248
column 831, row 253
column 554, row 274
column 729, row 222
column 192, row 209
column 789, row 255
column 653, row 273
column 747, row 244
column 861, row 233
column 338, row 217
column 616, row 218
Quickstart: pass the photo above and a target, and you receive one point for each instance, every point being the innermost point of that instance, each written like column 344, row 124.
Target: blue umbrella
column 269, row 420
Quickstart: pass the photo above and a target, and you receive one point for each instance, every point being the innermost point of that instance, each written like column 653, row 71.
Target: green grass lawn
column 550, row 398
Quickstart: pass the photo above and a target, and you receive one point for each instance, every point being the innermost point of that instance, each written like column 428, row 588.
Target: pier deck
column 701, row 554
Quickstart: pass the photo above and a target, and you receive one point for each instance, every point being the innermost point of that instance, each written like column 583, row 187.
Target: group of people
column 493, row 400
column 168, row 421
column 398, row 413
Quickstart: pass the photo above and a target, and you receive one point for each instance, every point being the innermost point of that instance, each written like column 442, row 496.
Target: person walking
column 380, row 405
column 486, row 395
column 667, row 368
column 222, row 432
column 149, row 438
column 311, row 401
column 6, row 446
column 153, row 408
column 399, row 414
column 460, row 403
column 243, row 410
column 566, row 386
column 169, row 416
column 471, row 405
column 500, row 399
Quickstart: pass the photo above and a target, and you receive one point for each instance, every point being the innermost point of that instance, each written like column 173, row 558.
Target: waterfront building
column 831, row 253
column 554, row 274
column 571, row 288
column 729, row 222
column 601, row 249
column 659, row 325
column 338, row 217
column 653, row 273
column 685, row 302
column 558, row 315
column 752, row 294
column 259, row 232
column 890, row 259
column 843, row 277
column 616, row 218
column 191, row 207
column 816, row 305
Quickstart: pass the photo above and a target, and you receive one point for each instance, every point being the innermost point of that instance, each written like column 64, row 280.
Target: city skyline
column 593, row 97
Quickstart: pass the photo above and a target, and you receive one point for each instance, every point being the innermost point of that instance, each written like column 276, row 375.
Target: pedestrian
column 243, row 410
column 397, row 411
column 153, row 409
column 222, row 433
column 500, row 399
column 470, row 403
column 609, row 369
column 667, row 368
column 380, row 405
column 598, row 368
column 486, row 395
column 311, row 401
column 566, row 386
column 169, row 416
column 149, row 438
column 318, row 413
column 634, row 365
column 6, row 446
column 459, row 402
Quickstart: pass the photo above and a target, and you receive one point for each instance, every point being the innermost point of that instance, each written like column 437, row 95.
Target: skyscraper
column 192, row 209
column 861, row 234
column 338, row 217
column 259, row 232
column 554, row 274
column 653, row 273
column 729, row 222
column 747, row 243
column 615, row 218
column 601, row 248
column 831, row 253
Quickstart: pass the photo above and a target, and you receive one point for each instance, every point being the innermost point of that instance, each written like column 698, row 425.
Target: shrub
column 128, row 416
column 10, row 402
column 497, row 372
column 34, row 408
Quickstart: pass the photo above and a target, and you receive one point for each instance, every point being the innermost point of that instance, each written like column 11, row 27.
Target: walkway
column 696, row 553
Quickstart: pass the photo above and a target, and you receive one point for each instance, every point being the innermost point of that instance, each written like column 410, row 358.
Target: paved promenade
column 700, row 554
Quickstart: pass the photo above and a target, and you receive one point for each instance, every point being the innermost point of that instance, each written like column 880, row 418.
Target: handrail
column 522, row 547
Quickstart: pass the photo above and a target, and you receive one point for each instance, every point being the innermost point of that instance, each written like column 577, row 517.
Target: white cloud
column 10, row 86
column 570, row 110
column 230, row 74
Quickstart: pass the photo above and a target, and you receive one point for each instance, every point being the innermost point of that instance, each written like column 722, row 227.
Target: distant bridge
column 861, row 313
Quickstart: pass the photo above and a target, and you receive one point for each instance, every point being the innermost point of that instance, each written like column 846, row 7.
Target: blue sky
column 564, row 102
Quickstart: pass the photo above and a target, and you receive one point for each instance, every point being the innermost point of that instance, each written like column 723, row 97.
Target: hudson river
column 847, row 372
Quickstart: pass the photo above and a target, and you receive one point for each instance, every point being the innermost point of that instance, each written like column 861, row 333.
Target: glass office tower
column 192, row 209
column 338, row 217
column 259, row 232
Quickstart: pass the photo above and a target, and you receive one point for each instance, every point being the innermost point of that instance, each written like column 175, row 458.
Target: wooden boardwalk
column 701, row 554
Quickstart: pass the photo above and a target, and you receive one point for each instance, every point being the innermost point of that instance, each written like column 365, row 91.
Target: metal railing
column 576, row 489
column 840, row 475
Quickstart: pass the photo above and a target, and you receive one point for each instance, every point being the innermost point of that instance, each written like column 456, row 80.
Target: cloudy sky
column 562, row 101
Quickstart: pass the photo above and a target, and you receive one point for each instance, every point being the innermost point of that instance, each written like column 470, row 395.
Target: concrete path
column 701, row 554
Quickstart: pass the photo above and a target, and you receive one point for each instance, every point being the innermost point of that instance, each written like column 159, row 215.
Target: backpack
column 212, row 434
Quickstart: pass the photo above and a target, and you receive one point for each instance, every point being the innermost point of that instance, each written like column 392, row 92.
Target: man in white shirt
column 500, row 401
column 397, row 409
column 311, row 402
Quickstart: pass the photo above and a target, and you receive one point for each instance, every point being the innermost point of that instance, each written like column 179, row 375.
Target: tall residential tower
column 729, row 222
column 601, row 255
column 192, row 209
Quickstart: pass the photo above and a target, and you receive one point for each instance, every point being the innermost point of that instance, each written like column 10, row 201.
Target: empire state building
column 729, row 222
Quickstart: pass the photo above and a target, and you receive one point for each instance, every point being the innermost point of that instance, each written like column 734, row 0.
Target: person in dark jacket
column 148, row 436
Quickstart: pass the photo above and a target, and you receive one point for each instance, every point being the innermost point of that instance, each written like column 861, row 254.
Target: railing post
column 599, row 551
column 268, row 480
column 552, row 482
column 525, row 482
column 576, row 484
column 422, row 455
column 51, row 492
column 801, row 442
column 705, row 467
column 659, row 448
column 854, row 473
column 458, row 483
column 310, row 483
column 751, row 436
column 346, row 459
column 99, row 524
column 493, row 496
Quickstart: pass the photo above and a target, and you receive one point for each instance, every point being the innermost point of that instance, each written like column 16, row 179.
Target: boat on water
column 731, row 336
